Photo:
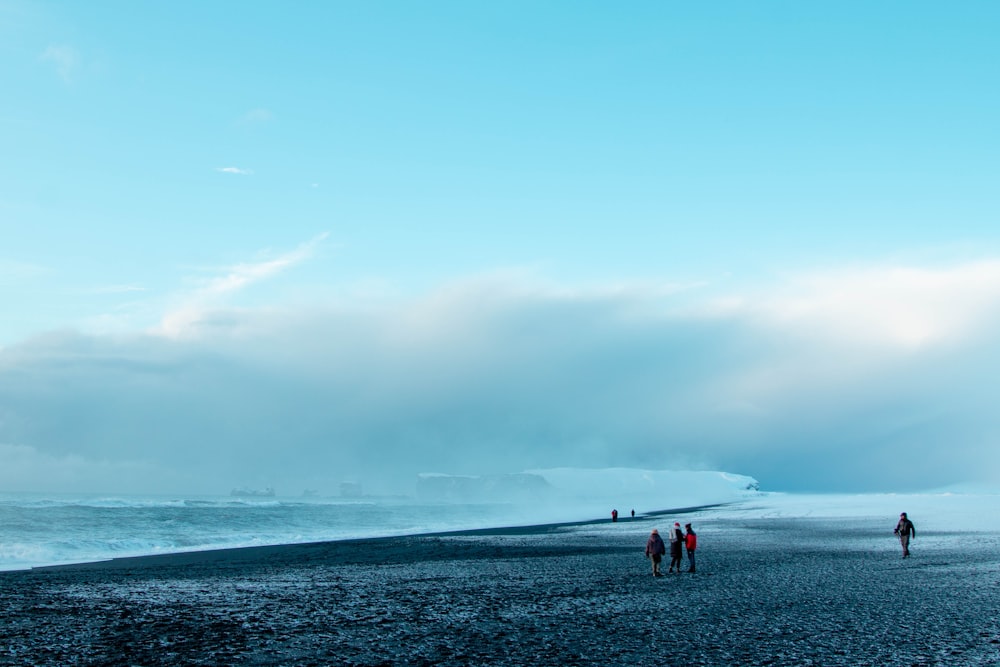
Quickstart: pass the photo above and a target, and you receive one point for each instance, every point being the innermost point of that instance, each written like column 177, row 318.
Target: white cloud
column 241, row 275
column 896, row 306
column 191, row 306
column 64, row 58
column 234, row 170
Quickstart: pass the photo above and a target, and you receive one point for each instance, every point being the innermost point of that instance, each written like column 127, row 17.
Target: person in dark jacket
column 905, row 530
column 655, row 550
column 691, row 542
column 676, row 546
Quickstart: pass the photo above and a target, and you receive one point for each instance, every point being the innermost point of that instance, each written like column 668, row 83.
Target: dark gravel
column 767, row 592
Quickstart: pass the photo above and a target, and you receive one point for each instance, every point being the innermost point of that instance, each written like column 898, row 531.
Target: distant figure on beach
column 691, row 542
column 614, row 515
column 655, row 550
column 633, row 514
column 905, row 530
column 676, row 536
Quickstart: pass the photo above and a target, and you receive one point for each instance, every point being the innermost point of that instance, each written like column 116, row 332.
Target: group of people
column 679, row 540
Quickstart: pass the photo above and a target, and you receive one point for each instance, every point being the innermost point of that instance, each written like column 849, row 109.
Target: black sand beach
column 767, row 592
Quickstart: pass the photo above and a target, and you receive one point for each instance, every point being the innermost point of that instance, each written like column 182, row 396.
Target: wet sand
column 767, row 592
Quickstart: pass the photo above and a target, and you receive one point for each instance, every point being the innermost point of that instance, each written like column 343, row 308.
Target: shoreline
column 299, row 550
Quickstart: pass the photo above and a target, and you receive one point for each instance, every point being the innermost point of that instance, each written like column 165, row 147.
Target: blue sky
column 471, row 237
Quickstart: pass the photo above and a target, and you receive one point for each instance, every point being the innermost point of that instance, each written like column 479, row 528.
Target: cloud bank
column 872, row 379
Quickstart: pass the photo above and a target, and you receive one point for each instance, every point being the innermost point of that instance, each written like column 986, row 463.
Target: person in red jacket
column 691, row 542
column 655, row 550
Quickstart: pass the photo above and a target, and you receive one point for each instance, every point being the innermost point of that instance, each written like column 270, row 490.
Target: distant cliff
column 596, row 489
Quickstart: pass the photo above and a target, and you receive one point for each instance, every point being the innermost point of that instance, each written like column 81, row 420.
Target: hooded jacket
column 691, row 540
column 654, row 545
column 905, row 527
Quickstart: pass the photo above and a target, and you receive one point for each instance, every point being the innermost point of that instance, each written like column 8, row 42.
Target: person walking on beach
column 655, row 550
column 905, row 530
column 614, row 516
column 691, row 542
column 676, row 540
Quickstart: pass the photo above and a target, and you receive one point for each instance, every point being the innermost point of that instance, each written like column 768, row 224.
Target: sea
column 42, row 530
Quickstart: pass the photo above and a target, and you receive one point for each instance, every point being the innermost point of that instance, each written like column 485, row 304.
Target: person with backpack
column 691, row 542
column 655, row 550
column 905, row 530
column 676, row 541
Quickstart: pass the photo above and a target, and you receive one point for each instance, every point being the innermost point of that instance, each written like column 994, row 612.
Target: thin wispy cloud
column 256, row 117
column 64, row 58
column 234, row 170
column 14, row 270
column 116, row 289
column 211, row 292
column 244, row 274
